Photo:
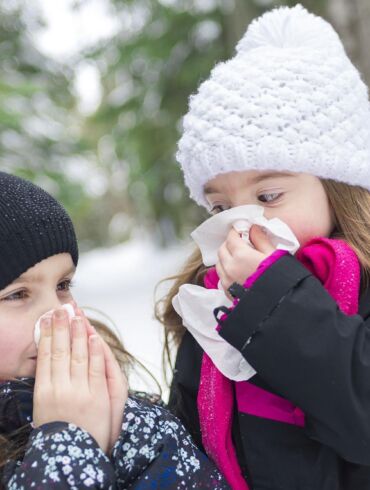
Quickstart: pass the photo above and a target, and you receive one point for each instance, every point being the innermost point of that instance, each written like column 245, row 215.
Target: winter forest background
column 91, row 98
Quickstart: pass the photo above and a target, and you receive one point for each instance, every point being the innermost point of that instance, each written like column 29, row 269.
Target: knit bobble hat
column 33, row 227
column 289, row 100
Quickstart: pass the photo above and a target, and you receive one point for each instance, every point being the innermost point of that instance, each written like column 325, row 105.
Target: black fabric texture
column 33, row 227
column 306, row 350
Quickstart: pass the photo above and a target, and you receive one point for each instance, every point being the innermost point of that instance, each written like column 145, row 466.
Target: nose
column 52, row 302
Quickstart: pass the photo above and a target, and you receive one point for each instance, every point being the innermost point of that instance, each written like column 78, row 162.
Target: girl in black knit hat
column 66, row 418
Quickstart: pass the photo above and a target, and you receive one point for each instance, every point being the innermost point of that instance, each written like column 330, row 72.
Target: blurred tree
column 114, row 167
column 147, row 74
column 38, row 136
column 163, row 51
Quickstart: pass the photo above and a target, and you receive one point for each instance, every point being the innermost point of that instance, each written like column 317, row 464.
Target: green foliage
column 147, row 71
column 36, row 111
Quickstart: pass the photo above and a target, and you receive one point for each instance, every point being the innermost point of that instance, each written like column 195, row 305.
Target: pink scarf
column 335, row 264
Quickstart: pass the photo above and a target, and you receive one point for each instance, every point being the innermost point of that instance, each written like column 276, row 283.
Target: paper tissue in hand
column 71, row 313
column 211, row 234
column 195, row 304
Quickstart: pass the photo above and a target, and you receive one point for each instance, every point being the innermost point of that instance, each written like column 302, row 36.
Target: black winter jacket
column 306, row 350
column 153, row 450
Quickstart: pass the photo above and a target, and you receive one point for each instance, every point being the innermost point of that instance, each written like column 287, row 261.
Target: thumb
column 260, row 240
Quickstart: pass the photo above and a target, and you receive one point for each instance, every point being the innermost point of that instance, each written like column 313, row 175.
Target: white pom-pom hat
column 289, row 100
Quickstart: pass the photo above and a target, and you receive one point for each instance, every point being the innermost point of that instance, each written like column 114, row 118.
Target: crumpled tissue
column 211, row 234
column 195, row 304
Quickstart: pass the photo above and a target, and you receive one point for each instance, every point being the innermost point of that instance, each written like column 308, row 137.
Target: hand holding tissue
column 195, row 304
column 69, row 309
column 211, row 234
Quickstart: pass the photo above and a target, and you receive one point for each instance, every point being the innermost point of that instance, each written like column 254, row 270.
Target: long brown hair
column 12, row 447
column 351, row 209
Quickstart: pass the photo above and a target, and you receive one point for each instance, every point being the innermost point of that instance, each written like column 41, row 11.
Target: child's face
column 43, row 287
column 297, row 199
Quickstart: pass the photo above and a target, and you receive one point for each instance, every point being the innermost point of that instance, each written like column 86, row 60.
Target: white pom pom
column 286, row 27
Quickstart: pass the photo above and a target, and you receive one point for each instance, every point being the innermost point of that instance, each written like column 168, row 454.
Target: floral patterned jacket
column 153, row 451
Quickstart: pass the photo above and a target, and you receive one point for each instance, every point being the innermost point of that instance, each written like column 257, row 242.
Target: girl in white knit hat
column 277, row 390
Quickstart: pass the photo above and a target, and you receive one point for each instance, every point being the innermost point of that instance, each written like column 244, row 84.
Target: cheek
column 310, row 222
column 15, row 342
column 9, row 349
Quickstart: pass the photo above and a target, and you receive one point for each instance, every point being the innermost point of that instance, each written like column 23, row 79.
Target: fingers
column 229, row 254
column 224, row 254
column 238, row 259
column 43, row 366
column 234, row 242
column 80, row 351
column 260, row 240
column 89, row 328
column 97, row 381
column 113, row 371
column 116, row 380
column 111, row 364
column 60, row 347
column 221, row 273
column 117, row 388
column 74, row 304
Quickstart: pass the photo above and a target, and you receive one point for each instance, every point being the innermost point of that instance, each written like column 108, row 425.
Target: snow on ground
column 120, row 282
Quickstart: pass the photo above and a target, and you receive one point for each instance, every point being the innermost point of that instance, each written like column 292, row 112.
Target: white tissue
column 211, row 234
column 69, row 309
column 195, row 304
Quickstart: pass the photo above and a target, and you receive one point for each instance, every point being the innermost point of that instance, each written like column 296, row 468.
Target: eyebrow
column 36, row 278
column 208, row 189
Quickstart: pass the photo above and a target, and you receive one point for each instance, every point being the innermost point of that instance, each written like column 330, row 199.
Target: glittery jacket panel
column 306, row 351
column 153, row 451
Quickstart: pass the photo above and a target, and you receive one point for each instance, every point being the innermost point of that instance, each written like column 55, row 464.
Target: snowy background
column 120, row 282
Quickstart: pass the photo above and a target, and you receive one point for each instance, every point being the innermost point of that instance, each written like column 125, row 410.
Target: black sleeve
column 292, row 332
column 185, row 386
column 60, row 456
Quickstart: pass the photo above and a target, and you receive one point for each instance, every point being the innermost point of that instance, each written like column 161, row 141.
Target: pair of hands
column 238, row 260
column 78, row 379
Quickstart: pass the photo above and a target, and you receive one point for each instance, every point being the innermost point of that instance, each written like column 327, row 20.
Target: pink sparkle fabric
column 215, row 405
column 336, row 265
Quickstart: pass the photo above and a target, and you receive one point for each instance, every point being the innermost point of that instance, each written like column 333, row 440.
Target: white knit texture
column 290, row 99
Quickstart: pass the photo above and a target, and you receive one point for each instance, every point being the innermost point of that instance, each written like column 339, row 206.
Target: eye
column 66, row 285
column 218, row 208
column 18, row 295
column 269, row 197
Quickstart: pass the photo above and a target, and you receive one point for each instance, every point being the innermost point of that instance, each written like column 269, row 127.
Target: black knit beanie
column 33, row 227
